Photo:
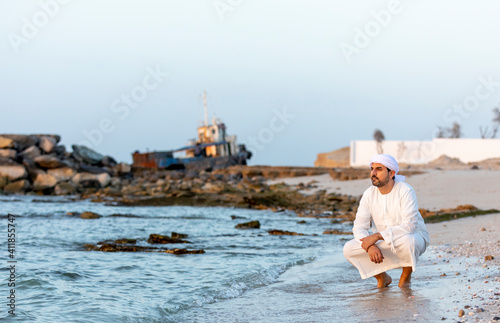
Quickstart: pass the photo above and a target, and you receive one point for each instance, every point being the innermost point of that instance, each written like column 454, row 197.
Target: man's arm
column 370, row 240
column 375, row 254
column 362, row 221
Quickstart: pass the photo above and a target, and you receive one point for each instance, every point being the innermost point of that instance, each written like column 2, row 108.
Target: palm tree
column 379, row 137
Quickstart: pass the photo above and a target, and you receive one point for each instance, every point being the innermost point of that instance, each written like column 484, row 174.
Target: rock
column 86, row 155
column 89, row 215
column 284, row 233
column 337, row 232
column 65, row 188
column 47, row 144
column 32, row 170
column 157, row 238
column 7, row 143
column 125, row 241
column 8, row 153
column 84, row 168
column 22, row 141
column 103, row 179
column 234, row 217
column 488, row 258
column 43, row 182
column 302, row 222
column 213, row 188
column 248, row 225
column 176, row 235
column 108, row 161
column 4, row 161
column 62, row 174
column 47, row 161
column 124, row 168
column 19, row 186
column 183, row 251
column 117, row 247
column 13, row 172
column 111, row 247
column 60, row 150
column 30, row 153
column 461, row 313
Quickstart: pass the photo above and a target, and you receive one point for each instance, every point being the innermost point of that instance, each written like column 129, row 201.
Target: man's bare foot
column 383, row 280
column 405, row 278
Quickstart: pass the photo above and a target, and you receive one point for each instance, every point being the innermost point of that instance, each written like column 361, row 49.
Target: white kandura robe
column 395, row 215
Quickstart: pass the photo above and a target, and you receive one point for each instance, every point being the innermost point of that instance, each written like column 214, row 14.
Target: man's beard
column 378, row 183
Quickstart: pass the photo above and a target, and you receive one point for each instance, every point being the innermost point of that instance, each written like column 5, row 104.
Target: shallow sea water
column 58, row 281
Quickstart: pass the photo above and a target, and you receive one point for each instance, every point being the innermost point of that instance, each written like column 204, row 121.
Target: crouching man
column 400, row 235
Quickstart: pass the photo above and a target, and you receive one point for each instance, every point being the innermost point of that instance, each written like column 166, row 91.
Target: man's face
column 379, row 175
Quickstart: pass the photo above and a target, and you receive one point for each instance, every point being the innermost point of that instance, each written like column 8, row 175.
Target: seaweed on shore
column 441, row 217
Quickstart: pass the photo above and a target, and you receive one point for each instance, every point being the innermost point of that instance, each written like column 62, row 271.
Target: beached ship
column 213, row 149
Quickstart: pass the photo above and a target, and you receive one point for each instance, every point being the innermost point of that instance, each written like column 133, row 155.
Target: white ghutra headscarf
column 389, row 162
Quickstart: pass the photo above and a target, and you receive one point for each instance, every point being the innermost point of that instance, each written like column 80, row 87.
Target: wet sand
column 451, row 275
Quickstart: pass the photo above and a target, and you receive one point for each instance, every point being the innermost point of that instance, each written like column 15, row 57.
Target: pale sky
column 299, row 77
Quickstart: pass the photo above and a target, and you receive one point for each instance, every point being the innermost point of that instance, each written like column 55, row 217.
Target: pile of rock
column 37, row 163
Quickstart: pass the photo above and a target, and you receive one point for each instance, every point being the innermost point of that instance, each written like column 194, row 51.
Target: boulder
column 43, row 182
column 57, row 138
column 4, row 161
column 30, row 153
column 7, row 143
column 248, row 225
column 158, row 238
column 13, row 172
column 19, row 186
column 33, row 171
column 108, row 161
column 103, row 179
column 22, row 141
column 65, row 188
column 84, row 168
column 62, row 174
column 284, row 233
column 176, row 235
column 8, row 153
column 86, row 155
column 89, row 215
column 48, row 161
column 47, row 144
column 60, row 150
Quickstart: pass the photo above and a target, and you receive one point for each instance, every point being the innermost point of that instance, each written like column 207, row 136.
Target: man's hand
column 370, row 240
column 375, row 254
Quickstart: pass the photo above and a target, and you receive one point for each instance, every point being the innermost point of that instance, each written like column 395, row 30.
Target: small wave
column 235, row 288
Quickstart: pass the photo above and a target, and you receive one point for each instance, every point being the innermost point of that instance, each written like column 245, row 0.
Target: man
column 400, row 235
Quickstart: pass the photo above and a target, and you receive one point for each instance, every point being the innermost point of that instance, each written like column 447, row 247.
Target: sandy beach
column 436, row 189
column 460, row 271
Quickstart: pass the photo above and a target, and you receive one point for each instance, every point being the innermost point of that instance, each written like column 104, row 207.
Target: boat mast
column 206, row 114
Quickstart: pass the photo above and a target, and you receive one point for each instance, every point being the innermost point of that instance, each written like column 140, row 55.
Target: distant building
column 423, row 152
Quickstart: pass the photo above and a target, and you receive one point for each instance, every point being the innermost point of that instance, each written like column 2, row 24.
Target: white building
column 421, row 152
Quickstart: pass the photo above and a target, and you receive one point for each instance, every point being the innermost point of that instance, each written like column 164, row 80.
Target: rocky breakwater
column 39, row 164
